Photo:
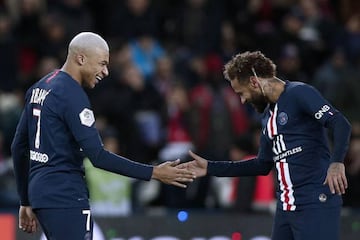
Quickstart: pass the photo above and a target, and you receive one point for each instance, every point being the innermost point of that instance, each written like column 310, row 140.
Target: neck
column 273, row 88
column 71, row 71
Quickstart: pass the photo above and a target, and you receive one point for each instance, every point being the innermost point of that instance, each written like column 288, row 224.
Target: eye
column 103, row 64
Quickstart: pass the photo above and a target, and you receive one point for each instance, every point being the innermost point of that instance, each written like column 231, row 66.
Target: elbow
column 95, row 156
column 95, row 162
column 18, row 151
column 13, row 147
column 266, row 170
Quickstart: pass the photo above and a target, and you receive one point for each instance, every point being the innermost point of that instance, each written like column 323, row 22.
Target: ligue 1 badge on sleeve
column 283, row 118
column 87, row 117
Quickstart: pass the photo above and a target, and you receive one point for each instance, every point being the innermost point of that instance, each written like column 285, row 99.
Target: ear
column 254, row 83
column 80, row 59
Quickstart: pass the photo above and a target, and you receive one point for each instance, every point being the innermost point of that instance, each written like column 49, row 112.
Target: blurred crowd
column 166, row 94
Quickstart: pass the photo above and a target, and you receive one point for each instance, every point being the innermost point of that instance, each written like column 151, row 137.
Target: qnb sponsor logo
column 39, row 157
column 321, row 112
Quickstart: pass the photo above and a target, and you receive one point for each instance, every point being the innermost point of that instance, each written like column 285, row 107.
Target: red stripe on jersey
column 52, row 76
column 272, row 124
column 286, row 186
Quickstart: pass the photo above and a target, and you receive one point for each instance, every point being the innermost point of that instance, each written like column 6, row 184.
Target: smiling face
column 250, row 92
column 88, row 59
column 95, row 67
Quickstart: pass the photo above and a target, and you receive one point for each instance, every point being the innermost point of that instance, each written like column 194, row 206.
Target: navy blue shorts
column 69, row 223
column 308, row 224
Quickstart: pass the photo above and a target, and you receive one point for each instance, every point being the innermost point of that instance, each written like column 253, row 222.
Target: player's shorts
column 68, row 223
column 308, row 224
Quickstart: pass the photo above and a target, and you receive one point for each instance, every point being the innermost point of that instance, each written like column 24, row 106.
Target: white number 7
column 87, row 213
column 37, row 113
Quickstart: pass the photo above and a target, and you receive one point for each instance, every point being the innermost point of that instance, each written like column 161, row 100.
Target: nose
column 105, row 71
column 243, row 100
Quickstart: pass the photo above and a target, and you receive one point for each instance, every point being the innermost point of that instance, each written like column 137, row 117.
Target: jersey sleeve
column 251, row 167
column 313, row 103
column 261, row 165
column 79, row 116
column 265, row 151
column 80, row 119
column 109, row 161
column 20, row 156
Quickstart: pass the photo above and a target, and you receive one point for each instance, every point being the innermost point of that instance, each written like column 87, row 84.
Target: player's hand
column 198, row 165
column 336, row 178
column 168, row 173
column 27, row 219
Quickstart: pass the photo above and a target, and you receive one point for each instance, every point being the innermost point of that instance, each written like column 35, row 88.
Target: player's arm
column 341, row 132
column 251, row 167
column 340, row 128
column 165, row 172
column 20, row 156
column 313, row 103
column 81, row 121
column 259, row 165
column 101, row 158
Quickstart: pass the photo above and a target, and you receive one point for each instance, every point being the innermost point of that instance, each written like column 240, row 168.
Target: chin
column 89, row 85
column 259, row 109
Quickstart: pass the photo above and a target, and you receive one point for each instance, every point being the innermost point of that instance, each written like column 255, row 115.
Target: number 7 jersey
column 56, row 117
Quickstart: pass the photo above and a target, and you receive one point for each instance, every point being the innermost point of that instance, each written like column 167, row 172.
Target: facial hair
column 259, row 102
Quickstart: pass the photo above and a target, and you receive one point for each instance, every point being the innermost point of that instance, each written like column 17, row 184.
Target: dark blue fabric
column 56, row 131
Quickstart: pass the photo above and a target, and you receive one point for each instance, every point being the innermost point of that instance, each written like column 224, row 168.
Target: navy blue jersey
column 294, row 139
column 295, row 136
column 56, row 129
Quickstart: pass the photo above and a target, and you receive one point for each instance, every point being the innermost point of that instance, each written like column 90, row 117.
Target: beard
column 259, row 102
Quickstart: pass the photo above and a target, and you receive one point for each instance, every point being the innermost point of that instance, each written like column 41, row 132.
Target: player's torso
column 56, row 161
column 300, row 152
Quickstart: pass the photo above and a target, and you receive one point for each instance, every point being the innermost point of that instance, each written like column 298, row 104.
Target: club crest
column 283, row 118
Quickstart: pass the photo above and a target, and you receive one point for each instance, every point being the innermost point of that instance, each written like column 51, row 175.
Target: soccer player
column 55, row 132
column 294, row 140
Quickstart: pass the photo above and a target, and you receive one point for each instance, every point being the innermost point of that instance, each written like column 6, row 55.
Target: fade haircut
column 87, row 41
column 243, row 65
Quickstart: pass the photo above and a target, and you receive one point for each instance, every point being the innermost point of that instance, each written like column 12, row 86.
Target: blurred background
column 166, row 94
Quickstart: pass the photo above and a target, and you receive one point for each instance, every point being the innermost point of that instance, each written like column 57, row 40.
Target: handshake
column 178, row 174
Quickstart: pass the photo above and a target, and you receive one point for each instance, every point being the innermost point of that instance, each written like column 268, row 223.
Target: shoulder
column 297, row 86
column 66, row 87
column 301, row 90
column 64, row 90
